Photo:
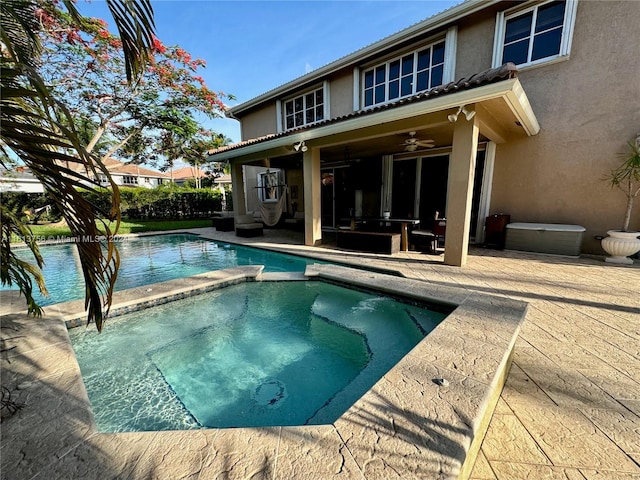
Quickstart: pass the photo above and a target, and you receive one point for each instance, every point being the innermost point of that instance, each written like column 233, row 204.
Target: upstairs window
column 535, row 35
column 304, row 110
column 404, row 76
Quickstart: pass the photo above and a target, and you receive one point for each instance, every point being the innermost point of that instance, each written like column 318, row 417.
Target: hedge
column 161, row 203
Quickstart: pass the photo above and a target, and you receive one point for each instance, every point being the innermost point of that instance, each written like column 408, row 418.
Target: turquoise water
column 249, row 355
column 158, row 258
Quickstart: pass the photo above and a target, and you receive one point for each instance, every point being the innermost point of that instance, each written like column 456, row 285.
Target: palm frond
column 15, row 271
column 40, row 130
column 135, row 24
column 19, row 31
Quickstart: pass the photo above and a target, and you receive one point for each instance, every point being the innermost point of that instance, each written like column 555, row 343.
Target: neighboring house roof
column 223, row 179
column 80, row 168
column 131, row 169
column 185, row 173
column 19, row 179
column 492, row 75
column 17, row 173
column 439, row 20
column 117, row 167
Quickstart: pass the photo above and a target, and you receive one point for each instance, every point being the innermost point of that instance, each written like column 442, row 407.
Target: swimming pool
column 248, row 355
column 156, row 258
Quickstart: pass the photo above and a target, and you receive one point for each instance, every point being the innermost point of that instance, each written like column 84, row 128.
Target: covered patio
column 496, row 111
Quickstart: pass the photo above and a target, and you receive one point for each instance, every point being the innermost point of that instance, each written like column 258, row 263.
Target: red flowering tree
column 83, row 62
column 40, row 131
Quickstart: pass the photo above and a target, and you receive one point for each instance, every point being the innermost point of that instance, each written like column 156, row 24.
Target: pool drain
column 270, row 393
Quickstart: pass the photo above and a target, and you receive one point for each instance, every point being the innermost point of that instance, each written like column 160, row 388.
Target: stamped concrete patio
column 570, row 408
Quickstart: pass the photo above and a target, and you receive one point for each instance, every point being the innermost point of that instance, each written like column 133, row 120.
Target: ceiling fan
column 412, row 143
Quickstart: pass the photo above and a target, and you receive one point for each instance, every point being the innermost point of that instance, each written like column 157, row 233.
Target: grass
column 128, row 226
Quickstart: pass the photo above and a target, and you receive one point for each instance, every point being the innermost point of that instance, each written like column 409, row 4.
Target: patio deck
column 571, row 404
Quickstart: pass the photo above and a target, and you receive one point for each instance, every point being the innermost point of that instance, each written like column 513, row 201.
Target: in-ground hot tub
column 551, row 238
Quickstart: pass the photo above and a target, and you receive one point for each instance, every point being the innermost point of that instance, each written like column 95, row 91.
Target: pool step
column 282, row 276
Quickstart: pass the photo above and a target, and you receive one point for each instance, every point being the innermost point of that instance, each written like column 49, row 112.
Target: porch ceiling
column 502, row 109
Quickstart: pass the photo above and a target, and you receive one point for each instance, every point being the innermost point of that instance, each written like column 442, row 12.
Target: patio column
column 460, row 190
column 237, row 187
column 312, row 183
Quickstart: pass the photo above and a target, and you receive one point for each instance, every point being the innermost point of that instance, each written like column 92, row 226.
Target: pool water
column 151, row 259
column 250, row 355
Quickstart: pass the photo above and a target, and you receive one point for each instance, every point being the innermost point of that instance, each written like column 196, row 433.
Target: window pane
column 319, row 113
column 368, row 97
column 436, row 75
column 407, row 87
column 394, row 89
column 310, row 97
column 288, row 108
column 299, row 119
column 423, row 81
column 290, row 122
column 423, row 59
column 298, row 104
column 380, row 94
column 516, row 52
column 407, row 64
column 518, row 28
column 394, row 69
column 380, row 74
column 546, row 44
column 549, row 16
column 309, row 115
column 438, row 53
column 319, row 97
column 368, row 79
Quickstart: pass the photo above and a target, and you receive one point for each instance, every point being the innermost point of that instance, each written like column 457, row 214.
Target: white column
column 312, row 184
column 237, row 187
column 462, row 166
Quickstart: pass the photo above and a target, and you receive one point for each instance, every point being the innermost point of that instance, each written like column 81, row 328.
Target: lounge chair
column 297, row 221
column 246, row 226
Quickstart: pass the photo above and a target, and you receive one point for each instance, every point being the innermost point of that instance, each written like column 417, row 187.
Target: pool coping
column 408, row 425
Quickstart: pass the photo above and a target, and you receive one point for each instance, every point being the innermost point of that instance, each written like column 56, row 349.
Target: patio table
column 404, row 228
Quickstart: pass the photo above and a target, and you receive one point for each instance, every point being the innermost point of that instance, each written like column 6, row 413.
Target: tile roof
column 492, row 75
column 186, row 172
column 137, row 170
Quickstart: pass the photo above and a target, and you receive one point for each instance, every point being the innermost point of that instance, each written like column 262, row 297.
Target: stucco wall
column 475, row 43
column 588, row 108
column 259, row 122
column 341, row 93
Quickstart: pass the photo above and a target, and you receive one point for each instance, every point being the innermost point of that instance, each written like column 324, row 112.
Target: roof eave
column 510, row 90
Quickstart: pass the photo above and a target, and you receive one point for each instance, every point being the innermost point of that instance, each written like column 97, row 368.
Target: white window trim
column 565, row 43
column 356, row 88
column 448, row 71
column 484, row 208
column 280, row 120
column 275, row 174
column 279, row 117
column 450, row 51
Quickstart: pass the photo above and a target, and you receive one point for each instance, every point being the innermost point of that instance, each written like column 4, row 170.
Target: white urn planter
column 619, row 245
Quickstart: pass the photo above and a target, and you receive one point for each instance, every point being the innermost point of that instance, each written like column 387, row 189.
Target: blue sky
column 253, row 46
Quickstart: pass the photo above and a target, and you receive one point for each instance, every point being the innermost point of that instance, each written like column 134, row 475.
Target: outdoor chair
column 430, row 238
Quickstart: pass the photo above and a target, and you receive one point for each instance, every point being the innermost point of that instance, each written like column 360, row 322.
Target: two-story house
column 488, row 107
